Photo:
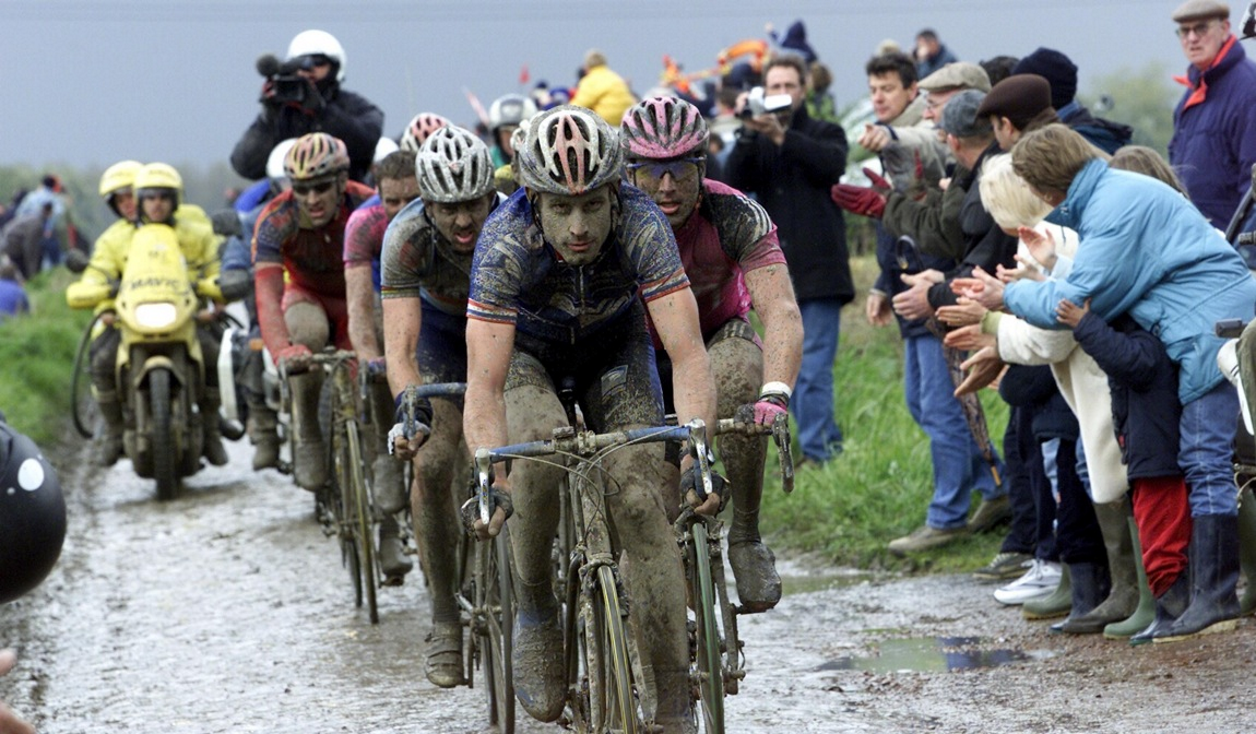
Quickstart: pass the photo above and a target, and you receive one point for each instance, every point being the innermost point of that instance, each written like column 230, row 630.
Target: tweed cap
column 960, row 118
column 1019, row 98
column 1200, row 9
column 956, row 75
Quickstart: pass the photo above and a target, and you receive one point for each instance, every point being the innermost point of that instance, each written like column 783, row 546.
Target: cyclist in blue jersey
column 563, row 276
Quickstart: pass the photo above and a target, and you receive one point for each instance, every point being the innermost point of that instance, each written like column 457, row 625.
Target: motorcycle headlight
column 156, row 315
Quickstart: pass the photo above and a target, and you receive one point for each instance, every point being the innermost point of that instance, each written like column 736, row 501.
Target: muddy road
column 228, row 611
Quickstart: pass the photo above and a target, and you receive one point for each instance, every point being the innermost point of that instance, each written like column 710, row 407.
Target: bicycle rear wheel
column 708, row 654
column 613, row 706
column 360, row 524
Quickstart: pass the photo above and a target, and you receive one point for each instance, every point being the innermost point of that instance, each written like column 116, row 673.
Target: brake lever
column 780, row 434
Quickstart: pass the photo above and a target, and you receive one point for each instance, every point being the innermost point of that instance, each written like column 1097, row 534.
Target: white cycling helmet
column 274, row 164
column 383, row 148
column 308, row 43
column 510, row 109
column 568, row 150
column 454, row 165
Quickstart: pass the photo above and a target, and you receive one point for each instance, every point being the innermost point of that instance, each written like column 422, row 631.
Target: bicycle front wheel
column 706, row 612
column 494, row 589
column 612, row 703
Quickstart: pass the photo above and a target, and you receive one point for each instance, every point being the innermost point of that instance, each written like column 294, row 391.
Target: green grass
column 37, row 354
column 879, row 488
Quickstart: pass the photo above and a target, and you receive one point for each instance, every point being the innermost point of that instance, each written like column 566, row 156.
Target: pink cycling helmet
column 663, row 127
column 569, row 150
column 423, row 125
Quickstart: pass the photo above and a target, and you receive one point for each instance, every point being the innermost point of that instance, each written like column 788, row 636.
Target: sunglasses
column 680, row 168
column 301, row 189
column 1198, row 29
column 314, row 60
column 163, row 195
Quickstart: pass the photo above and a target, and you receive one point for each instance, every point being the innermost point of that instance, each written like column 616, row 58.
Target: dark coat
column 1144, row 384
column 1214, row 141
column 1104, row 134
column 987, row 246
column 348, row 116
column 792, row 182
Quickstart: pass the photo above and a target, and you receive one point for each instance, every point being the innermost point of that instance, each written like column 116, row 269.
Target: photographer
column 790, row 160
column 303, row 95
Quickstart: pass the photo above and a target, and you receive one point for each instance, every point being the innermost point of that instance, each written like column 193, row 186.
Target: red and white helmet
column 663, row 127
column 423, row 125
column 569, row 150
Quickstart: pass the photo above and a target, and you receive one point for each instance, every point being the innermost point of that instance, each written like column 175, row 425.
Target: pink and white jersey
column 729, row 234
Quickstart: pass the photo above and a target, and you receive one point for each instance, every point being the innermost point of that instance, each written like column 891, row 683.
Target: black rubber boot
column 1214, row 558
column 108, row 448
column 213, row 449
column 1122, row 597
column 1169, row 607
column 1090, row 588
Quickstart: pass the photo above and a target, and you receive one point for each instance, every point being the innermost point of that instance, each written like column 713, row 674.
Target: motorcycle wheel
column 165, row 459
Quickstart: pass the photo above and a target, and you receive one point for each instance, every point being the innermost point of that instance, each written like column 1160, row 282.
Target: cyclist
column 505, row 115
column 426, row 267
column 554, row 293
column 300, row 235
column 158, row 188
column 421, row 126
column 364, row 239
column 729, row 248
column 237, row 276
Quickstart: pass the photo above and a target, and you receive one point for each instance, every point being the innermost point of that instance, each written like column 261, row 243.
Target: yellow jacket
column 196, row 239
column 604, row 92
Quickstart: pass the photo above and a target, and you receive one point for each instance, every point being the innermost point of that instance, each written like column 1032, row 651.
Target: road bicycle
column 485, row 596
column 599, row 662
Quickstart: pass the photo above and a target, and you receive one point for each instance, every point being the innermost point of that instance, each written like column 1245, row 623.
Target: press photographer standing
column 303, row 95
column 790, row 160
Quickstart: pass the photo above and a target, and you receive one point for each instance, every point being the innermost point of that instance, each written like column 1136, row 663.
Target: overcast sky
column 91, row 82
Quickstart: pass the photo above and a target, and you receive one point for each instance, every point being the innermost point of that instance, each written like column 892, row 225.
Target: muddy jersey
column 364, row 237
column 729, row 235
column 418, row 262
column 312, row 258
column 518, row 278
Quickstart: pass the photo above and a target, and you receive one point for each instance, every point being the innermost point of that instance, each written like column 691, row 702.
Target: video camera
column 757, row 103
column 286, row 84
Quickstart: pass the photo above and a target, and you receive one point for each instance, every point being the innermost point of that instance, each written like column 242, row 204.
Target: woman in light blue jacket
column 1148, row 251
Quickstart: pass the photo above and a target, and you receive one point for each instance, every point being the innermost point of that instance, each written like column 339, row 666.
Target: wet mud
column 228, row 611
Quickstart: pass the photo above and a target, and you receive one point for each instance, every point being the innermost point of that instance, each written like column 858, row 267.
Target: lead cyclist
column 554, row 293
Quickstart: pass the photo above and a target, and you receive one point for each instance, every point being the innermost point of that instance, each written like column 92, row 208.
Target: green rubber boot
column 1058, row 604
column 1145, row 614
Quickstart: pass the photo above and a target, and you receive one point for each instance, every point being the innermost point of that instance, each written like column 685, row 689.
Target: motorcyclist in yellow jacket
column 156, row 189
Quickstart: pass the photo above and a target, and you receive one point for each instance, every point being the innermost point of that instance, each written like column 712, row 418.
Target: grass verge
column 879, row 488
column 37, row 354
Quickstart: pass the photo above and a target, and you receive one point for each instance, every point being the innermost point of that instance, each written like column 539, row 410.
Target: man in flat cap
column 1214, row 125
column 1019, row 104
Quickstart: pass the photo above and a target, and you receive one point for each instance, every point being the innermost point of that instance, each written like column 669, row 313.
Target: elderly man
column 1214, row 125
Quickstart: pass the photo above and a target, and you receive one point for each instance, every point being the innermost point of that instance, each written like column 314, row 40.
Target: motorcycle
column 160, row 370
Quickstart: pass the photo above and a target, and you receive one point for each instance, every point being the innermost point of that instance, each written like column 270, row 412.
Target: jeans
column 1205, row 451
column 958, row 465
column 812, row 401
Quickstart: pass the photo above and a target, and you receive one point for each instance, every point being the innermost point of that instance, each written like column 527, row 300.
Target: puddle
column 933, row 654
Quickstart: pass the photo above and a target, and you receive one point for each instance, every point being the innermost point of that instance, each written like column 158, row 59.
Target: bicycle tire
column 82, row 403
column 613, row 705
column 360, row 516
column 499, row 629
column 706, row 611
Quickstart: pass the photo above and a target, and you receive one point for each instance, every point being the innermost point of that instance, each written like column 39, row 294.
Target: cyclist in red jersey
column 298, row 248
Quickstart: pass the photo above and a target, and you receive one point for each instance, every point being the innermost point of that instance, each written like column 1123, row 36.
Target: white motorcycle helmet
column 308, row 43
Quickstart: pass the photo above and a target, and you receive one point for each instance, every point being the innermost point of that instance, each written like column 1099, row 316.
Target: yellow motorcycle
column 160, row 369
